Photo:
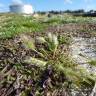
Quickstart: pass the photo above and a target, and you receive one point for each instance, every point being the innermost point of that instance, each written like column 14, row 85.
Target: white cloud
column 68, row 1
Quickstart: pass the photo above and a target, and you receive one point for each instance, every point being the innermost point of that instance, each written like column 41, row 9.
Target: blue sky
column 47, row 5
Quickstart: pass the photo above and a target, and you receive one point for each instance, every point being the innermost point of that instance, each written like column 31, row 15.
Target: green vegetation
column 13, row 24
column 93, row 62
column 33, row 62
column 66, row 19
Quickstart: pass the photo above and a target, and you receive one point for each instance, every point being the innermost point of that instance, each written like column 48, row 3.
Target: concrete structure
column 21, row 8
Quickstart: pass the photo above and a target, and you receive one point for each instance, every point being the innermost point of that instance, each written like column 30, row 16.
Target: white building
column 21, row 8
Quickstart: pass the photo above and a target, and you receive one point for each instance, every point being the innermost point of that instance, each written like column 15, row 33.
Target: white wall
column 26, row 9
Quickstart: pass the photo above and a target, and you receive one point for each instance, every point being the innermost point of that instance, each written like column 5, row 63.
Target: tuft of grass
column 59, row 62
column 64, row 39
column 92, row 62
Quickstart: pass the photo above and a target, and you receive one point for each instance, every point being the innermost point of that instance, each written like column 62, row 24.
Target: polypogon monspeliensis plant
column 64, row 71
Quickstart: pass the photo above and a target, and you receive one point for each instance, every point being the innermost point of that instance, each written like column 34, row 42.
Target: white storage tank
column 21, row 8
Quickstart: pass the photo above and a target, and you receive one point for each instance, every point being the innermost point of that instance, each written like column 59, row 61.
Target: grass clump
column 92, row 62
column 64, row 39
column 60, row 68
